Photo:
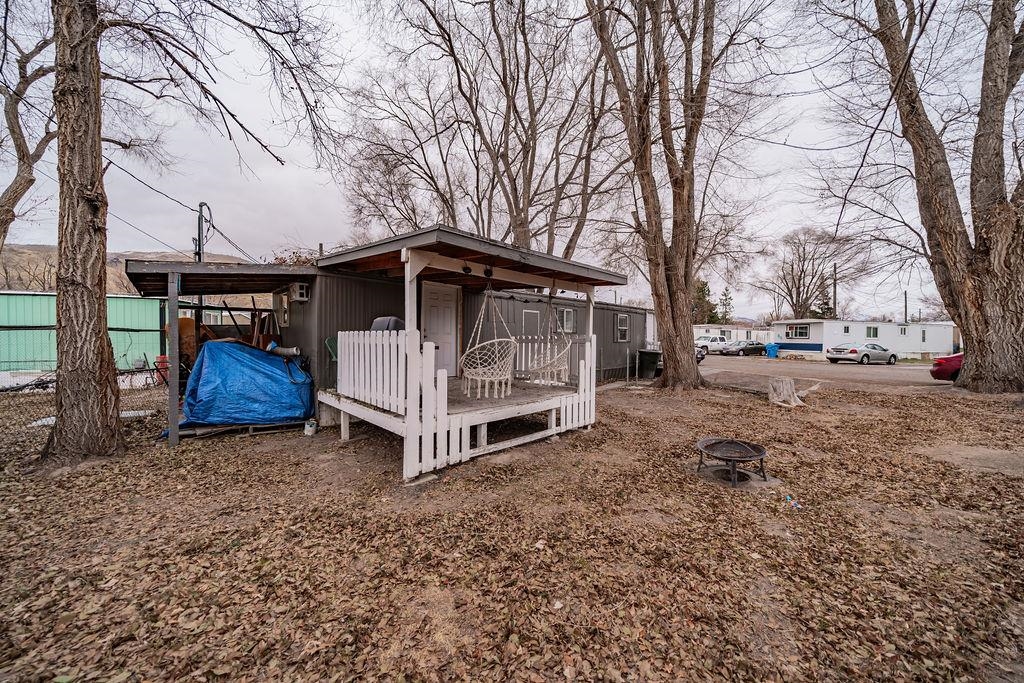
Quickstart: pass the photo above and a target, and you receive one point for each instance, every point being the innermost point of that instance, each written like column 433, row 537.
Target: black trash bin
column 648, row 365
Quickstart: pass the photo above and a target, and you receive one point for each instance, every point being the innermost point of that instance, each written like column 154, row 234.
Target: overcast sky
column 268, row 207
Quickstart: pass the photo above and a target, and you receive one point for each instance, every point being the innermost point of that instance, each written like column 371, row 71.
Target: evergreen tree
column 823, row 307
column 704, row 310
column 725, row 307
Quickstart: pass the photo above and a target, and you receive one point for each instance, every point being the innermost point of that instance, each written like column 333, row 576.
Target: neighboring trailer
column 733, row 332
column 28, row 338
column 811, row 337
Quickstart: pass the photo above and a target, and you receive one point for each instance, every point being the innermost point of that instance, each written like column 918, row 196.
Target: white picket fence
column 392, row 371
column 371, row 368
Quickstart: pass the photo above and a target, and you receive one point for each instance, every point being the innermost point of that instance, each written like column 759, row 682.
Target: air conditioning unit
column 298, row 291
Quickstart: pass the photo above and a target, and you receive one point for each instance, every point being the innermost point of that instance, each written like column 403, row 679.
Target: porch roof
column 385, row 258
column 150, row 277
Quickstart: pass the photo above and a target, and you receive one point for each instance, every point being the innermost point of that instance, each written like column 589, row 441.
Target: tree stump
column 782, row 392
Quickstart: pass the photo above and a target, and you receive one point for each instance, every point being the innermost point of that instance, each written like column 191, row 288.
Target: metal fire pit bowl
column 733, row 452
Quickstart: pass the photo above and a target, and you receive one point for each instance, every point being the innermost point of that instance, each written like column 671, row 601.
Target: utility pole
column 906, row 311
column 198, row 314
column 835, row 292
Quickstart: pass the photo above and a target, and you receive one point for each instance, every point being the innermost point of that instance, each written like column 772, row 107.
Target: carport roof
column 150, row 277
column 385, row 258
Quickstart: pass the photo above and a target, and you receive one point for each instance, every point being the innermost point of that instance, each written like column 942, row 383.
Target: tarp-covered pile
column 236, row 384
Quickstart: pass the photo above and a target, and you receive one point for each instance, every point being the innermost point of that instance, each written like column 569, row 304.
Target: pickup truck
column 711, row 343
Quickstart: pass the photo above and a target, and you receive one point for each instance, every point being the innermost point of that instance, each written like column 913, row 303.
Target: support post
column 343, row 425
column 412, row 269
column 197, row 313
column 174, row 359
column 590, row 313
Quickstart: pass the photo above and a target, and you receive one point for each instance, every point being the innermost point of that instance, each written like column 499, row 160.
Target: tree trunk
column 519, row 226
column 672, row 311
column 88, row 421
column 991, row 322
column 23, row 181
column 981, row 284
column 782, row 392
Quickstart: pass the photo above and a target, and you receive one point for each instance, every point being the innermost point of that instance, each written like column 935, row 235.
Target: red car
column 947, row 367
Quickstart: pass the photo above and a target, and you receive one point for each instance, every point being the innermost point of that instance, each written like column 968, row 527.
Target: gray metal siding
column 338, row 303
column 611, row 355
column 343, row 302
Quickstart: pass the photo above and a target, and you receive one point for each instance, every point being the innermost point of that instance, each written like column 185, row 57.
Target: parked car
column 861, row 353
column 744, row 347
column 947, row 368
column 711, row 343
column 701, row 354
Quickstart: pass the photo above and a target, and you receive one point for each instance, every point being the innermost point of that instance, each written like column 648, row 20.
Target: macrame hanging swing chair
column 489, row 363
column 549, row 360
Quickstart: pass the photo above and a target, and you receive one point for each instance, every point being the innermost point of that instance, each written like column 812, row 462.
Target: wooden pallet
column 241, row 430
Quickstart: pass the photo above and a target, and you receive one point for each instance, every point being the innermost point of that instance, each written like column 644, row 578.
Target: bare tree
column 491, row 117
column 177, row 43
column 31, row 273
column 29, row 118
column 670, row 63
column 807, row 261
column 952, row 72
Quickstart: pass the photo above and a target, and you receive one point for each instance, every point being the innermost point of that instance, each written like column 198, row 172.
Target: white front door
column 441, row 322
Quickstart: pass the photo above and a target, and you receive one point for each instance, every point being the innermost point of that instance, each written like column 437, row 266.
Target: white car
column 710, row 343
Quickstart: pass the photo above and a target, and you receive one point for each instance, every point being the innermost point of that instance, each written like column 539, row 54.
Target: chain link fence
column 28, row 381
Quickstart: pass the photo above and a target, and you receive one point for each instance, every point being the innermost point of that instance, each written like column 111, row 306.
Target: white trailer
column 810, row 337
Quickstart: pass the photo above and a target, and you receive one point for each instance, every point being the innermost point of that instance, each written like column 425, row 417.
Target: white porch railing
column 533, row 350
column 392, row 371
column 371, row 368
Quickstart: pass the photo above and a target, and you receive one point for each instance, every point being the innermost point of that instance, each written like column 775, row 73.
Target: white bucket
column 310, row 428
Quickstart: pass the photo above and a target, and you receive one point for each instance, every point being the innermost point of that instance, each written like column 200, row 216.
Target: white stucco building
column 810, row 337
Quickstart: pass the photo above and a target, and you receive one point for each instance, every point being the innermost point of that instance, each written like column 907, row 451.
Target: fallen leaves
column 601, row 556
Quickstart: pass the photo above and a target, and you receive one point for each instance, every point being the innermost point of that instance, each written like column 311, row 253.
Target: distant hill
column 33, row 267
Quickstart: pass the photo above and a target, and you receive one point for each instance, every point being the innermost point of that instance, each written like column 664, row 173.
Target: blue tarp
column 235, row 384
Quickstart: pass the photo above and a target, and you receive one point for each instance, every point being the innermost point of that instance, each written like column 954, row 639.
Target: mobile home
column 472, row 341
column 810, row 337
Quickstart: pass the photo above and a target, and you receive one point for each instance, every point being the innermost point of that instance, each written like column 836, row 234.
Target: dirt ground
column 600, row 556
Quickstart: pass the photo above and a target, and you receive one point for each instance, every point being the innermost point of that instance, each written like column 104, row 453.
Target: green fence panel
column 134, row 322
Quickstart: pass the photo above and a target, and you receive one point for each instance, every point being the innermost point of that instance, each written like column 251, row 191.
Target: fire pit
column 733, row 452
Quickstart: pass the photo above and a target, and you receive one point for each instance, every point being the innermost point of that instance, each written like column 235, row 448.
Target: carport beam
column 174, row 360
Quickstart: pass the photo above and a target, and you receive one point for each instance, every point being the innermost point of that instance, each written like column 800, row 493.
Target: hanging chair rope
column 550, row 363
column 489, row 363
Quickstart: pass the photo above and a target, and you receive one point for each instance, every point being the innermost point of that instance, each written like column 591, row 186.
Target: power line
column 159, row 192
column 213, row 227
column 152, row 237
column 114, row 215
column 184, row 205
column 230, row 241
column 154, row 189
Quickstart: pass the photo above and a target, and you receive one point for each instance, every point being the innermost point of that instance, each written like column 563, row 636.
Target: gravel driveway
column 840, row 373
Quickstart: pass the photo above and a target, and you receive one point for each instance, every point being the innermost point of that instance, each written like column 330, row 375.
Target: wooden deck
column 523, row 393
column 390, row 380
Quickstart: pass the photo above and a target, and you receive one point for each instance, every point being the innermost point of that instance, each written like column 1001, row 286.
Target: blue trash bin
column 772, row 349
